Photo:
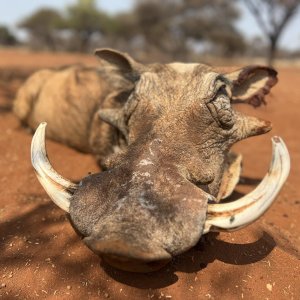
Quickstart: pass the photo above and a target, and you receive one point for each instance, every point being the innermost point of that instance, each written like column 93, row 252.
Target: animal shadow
column 244, row 180
column 208, row 249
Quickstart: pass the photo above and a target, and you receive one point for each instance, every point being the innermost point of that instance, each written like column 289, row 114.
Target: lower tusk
column 237, row 214
column 58, row 188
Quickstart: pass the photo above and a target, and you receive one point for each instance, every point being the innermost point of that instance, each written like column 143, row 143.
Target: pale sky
column 13, row 11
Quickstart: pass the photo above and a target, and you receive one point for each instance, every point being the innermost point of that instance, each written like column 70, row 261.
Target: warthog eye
column 221, row 110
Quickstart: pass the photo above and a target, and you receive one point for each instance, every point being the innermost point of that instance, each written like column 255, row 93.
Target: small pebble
column 269, row 287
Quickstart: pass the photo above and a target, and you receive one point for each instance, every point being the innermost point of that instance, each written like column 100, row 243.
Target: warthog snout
column 140, row 213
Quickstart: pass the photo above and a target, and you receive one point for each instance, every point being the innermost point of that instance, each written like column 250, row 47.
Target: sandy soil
column 42, row 257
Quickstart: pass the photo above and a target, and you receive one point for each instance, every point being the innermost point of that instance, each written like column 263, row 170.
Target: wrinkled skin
column 168, row 157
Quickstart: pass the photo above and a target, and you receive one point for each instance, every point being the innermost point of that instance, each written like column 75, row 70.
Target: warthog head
column 159, row 193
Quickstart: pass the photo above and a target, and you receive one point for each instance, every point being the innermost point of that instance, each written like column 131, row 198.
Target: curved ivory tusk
column 237, row 214
column 58, row 188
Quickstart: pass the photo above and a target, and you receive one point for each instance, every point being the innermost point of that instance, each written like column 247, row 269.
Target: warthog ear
column 251, row 84
column 123, row 62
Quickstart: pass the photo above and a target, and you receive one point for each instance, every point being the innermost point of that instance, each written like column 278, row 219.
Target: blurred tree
column 258, row 47
column 172, row 26
column 155, row 24
column 6, row 37
column 272, row 16
column 213, row 22
column 42, row 26
column 84, row 19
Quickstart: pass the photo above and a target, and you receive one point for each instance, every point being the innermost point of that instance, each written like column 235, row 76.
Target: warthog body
column 164, row 133
column 72, row 96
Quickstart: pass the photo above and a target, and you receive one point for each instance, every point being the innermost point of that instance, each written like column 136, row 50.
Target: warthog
column 167, row 162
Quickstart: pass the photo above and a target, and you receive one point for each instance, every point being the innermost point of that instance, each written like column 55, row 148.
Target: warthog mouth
column 219, row 216
column 124, row 257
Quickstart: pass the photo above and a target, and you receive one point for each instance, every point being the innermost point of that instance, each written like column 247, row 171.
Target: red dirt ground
column 42, row 257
